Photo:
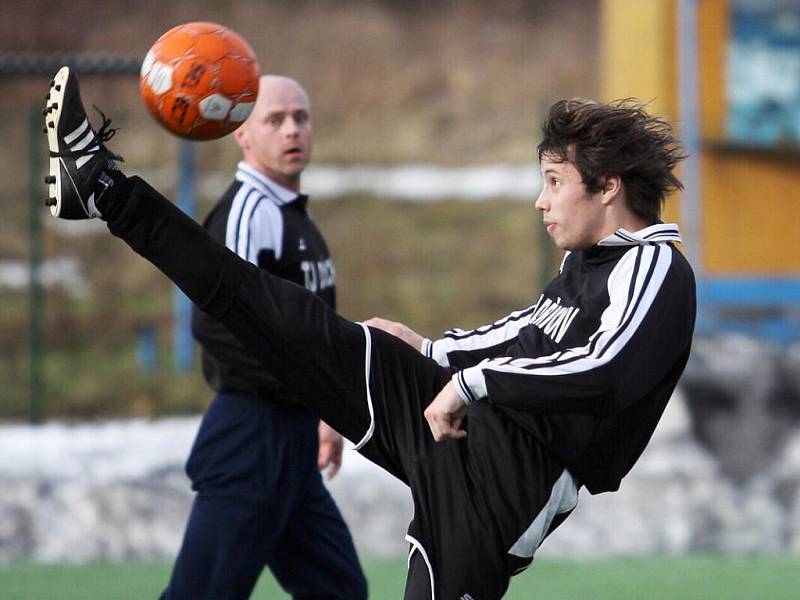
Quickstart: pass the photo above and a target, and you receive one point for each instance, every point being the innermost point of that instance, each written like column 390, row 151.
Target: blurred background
column 423, row 176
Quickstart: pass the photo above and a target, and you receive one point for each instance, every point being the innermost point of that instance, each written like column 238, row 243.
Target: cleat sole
column 56, row 94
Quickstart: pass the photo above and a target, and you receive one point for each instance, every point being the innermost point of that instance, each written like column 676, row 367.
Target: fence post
column 36, row 197
column 183, row 342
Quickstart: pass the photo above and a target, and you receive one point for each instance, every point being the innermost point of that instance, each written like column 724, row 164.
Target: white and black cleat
column 79, row 159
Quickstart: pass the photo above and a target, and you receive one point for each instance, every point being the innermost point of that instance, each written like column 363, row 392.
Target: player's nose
column 541, row 201
column 290, row 127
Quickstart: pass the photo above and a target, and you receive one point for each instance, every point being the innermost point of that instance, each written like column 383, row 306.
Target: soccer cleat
column 79, row 159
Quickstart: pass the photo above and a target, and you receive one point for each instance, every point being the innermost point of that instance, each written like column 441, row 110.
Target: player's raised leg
column 318, row 353
column 325, row 358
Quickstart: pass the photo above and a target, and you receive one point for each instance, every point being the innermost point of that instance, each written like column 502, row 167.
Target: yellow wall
column 638, row 60
column 638, row 41
column 750, row 200
column 713, row 25
column 751, row 205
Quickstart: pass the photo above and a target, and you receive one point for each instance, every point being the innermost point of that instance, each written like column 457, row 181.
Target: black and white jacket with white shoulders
column 589, row 368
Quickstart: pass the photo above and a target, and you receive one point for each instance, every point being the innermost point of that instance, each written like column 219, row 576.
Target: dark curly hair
column 617, row 138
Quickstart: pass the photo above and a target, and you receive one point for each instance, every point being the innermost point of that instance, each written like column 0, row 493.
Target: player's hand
column 446, row 414
column 404, row 332
column 330, row 450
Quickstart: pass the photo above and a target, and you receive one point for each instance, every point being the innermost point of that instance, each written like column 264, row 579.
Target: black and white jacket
column 589, row 368
column 269, row 226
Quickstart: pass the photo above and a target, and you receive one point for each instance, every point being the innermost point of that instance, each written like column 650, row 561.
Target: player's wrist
column 426, row 347
column 462, row 389
column 470, row 384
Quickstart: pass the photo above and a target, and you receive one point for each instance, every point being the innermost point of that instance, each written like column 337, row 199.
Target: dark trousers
column 481, row 505
column 261, row 502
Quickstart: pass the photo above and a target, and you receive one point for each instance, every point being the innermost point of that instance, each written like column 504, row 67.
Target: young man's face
column 276, row 138
column 573, row 216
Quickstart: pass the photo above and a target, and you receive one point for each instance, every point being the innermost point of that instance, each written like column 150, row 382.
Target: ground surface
column 694, row 578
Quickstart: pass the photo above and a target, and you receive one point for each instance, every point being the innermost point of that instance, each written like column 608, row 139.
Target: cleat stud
column 50, row 201
column 44, row 129
column 50, row 179
column 48, row 96
column 51, row 125
column 58, row 88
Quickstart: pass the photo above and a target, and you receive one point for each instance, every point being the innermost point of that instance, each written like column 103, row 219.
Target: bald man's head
column 276, row 137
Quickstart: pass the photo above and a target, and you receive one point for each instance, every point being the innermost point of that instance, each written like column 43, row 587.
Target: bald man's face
column 276, row 138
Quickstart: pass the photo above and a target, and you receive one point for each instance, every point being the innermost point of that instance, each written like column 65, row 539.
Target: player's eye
column 300, row 118
column 275, row 121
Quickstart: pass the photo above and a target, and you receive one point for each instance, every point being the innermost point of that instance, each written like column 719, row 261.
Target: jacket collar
column 274, row 191
column 661, row 232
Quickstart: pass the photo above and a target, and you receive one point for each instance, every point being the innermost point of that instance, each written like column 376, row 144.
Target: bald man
column 256, row 461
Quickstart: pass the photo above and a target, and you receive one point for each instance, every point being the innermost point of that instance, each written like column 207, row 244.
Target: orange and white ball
column 200, row 80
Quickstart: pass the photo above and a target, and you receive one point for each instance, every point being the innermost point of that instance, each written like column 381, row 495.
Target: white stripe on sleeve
column 627, row 309
column 504, row 330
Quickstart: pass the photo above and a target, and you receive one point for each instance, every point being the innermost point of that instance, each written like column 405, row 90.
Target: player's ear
column 241, row 137
column 612, row 186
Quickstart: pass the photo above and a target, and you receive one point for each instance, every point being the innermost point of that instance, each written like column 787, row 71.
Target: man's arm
column 644, row 332
column 459, row 347
column 462, row 348
column 331, row 445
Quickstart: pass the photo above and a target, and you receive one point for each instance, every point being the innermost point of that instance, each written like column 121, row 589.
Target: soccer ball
column 200, row 80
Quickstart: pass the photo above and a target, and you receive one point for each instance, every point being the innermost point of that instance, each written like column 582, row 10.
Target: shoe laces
column 105, row 133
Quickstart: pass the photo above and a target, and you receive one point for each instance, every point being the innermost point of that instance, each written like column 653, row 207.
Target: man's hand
column 330, row 450
column 445, row 414
column 405, row 333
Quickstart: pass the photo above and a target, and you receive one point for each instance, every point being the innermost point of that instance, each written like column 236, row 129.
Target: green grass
column 686, row 578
